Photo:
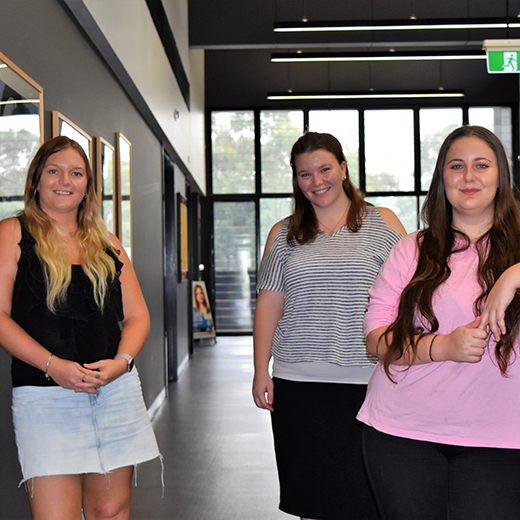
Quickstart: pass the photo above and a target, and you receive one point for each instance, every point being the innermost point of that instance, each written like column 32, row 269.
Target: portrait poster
column 203, row 323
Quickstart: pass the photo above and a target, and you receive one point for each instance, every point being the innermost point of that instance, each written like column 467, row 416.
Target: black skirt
column 318, row 451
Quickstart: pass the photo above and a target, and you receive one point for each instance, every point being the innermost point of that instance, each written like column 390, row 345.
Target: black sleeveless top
column 78, row 331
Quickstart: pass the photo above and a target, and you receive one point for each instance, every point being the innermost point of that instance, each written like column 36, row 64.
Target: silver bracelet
column 47, row 368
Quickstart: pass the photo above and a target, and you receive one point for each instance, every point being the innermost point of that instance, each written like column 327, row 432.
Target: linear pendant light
column 373, row 56
column 417, row 94
column 396, row 25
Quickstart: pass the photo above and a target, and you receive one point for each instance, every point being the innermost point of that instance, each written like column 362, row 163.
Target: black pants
column 417, row 480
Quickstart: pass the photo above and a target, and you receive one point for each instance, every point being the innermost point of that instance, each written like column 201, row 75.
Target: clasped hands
column 87, row 378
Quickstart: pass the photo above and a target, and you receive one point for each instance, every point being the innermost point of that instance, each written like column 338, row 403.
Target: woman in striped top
column 313, row 289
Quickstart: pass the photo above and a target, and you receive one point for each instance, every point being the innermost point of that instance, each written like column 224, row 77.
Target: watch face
column 130, row 366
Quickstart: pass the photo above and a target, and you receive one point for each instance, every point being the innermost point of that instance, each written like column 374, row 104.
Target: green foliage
column 278, row 134
column 430, row 145
column 17, row 148
column 233, row 152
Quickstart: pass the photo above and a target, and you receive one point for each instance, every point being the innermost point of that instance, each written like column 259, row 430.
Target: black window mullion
column 417, row 162
column 306, row 120
column 258, row 184
column 362, row 168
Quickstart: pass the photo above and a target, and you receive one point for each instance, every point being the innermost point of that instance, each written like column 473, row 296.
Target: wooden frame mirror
column 21, row 132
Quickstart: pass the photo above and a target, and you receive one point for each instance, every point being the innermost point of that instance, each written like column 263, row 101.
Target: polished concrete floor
column 217, row 446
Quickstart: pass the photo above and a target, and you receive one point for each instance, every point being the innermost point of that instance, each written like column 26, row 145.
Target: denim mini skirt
column 61, row 432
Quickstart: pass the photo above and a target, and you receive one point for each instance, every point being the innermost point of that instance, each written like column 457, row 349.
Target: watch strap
column 129, row 360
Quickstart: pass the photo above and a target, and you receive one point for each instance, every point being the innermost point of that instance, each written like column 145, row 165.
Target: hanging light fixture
column 410, row 24
column 300, row 57
column 417, row 94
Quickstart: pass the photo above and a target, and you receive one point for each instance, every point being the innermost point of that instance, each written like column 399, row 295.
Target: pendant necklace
column 336, row 225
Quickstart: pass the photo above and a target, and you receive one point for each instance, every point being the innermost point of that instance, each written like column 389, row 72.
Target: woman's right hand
column 263, row 391
column 71, row 375
column 466, row 344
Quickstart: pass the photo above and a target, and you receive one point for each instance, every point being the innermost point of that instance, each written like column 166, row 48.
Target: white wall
column 129, row 28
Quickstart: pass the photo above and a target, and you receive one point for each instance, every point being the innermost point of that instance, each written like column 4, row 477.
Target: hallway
column 217, row 446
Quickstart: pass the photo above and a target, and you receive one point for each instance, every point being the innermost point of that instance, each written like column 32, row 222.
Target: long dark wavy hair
column 303, row 224
column 498, row 249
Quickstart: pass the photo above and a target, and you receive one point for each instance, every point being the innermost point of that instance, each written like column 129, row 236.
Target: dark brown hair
column 303, row 224
column 498, row 249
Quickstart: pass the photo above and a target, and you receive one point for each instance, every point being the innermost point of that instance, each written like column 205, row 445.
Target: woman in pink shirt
column 442, row 413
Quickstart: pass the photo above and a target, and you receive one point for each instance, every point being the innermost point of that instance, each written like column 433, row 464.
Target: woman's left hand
column 101, row 373
column 499, row 298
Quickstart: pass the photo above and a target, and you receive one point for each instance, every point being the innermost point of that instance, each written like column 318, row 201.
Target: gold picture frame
column 62, row 125
column 124, row 191
column 106, row 182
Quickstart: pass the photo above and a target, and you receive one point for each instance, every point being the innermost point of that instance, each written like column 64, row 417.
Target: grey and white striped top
column 325, row 285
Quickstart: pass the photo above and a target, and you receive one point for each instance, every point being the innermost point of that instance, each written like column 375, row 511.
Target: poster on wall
column 203, row 324
column 182, row 234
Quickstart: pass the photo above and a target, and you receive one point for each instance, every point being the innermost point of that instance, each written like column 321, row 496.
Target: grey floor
column 217, row 446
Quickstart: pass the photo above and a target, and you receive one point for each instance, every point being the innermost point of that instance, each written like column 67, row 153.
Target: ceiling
column 239, row 40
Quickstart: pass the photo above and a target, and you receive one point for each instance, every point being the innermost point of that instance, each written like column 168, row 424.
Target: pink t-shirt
column 464, row 404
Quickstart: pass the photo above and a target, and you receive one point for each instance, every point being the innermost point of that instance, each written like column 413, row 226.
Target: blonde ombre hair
column 92, row 233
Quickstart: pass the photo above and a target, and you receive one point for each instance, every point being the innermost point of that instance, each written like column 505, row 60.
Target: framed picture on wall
column 203, row 323
column 106, row 182
column 61, row 125
column 124, row 192
column 182, row 237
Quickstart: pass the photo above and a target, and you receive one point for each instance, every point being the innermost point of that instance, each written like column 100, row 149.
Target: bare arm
column 391, row 220
column 269, row 310
column 466, row 344
column 12, row 337
column 136, row 323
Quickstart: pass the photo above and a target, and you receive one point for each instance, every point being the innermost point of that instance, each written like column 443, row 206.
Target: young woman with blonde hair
column 73, row 318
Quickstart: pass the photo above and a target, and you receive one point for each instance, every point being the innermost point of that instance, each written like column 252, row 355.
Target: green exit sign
column 503, row 62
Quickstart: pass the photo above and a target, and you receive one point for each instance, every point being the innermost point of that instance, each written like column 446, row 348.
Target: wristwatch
column 129, row 360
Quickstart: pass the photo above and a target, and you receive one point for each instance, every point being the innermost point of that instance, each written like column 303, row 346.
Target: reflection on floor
column 217, row 446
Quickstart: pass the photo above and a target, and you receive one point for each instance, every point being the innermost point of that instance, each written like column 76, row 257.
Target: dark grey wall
column 41, row 39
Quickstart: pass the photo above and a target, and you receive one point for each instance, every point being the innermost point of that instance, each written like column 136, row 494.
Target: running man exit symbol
column 510, row 61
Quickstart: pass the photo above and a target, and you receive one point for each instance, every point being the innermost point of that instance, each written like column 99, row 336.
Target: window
column 278, row 132
column 434, row 125
column 235, row 265
column 389, row 150
column 344, row 126
column 233, row 152
column 272, row 210
column 498, row 120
